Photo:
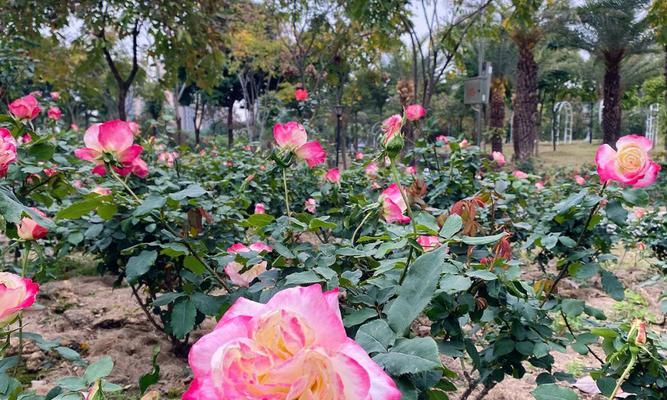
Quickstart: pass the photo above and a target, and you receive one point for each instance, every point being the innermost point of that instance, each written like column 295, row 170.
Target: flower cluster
column 293, row 347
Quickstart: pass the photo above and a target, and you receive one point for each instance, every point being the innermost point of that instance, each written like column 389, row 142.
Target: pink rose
column 260, row 209
column 415, row 112
column 332, row 175
column 639, row 212
column 292, row 137
column 49, row 172
column 499, row 158
column 310, row 205
column 54, row 95
column 630, row 164
column 294, row 346
column 7, row 150
column 442, row 139
column 111, row 142
column 579, row 179
column 134, row 127
column 102, row 191
column 391, row 126
column 464, row 143
column 411, row 170
column 243, row 279
column 428, row 243
column 74, row 127
column 539, row 185
column 27, row 138
column 16, row 294
column 393, row 205
column 358, row 156
column 139, row 168
column 520, row 174
column 257, row 247
column 301, row 94
column 371, row 169
column 77, row 184
column 54, row 113
column 29, row 229
column 167, row 158
column 25, row 108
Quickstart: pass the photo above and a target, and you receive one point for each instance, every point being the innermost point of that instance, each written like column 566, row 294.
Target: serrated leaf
column 140, row 264
column 375, row 336
column 452, row 226
column 410, row 356
column 552, row 391
column 183, row 318
column 98, row 370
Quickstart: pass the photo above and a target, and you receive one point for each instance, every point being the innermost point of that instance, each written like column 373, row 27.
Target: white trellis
column 564, row 118
column 652, row 122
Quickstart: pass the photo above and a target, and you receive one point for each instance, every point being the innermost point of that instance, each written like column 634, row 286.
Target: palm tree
column 503, row 58
column 611, row 30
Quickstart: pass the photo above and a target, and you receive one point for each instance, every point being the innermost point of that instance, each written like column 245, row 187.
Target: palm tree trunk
column 230, row 126
column 525, row 102
column 611, row 113
column 497, row 113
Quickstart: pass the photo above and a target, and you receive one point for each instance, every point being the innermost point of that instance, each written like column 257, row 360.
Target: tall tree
column 611, row 30
column 658, row 18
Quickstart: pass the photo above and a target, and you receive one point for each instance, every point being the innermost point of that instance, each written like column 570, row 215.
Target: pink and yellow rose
column 428, row 243
column 292, row 137
column 393, row 205
column 629, row 164
column 25, row 108
column 499, row 158
column 310, row 205
column 293, row 347
column 29, row 229
column 7, row 151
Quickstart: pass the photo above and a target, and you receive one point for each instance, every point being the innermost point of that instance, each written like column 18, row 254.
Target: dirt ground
column 90, row 316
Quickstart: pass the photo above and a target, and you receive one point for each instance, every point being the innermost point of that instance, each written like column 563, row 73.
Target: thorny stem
column 397, row 179
column 563, row 272
column 624, row 376
column 122, row 182
column 289, row 213
column 569, row 328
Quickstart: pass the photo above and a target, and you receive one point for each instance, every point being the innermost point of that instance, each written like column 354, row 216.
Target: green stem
column 397, row 179
column 122, row 182
column 624, row 376
column 24, row 271
column 363, row 221
column 289, row 213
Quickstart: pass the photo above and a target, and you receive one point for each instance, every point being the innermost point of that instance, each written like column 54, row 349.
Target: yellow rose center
column 630, row 159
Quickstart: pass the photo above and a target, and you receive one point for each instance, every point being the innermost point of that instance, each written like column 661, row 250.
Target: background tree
column 611, row 30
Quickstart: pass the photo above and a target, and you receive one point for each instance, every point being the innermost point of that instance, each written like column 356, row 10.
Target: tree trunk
column 664, row 108
column 611, row 113
column 525, row 102
column 230, row 126
column 497, row 113
column 122, row 95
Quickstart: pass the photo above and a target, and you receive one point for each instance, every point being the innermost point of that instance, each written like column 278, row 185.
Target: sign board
column 476, row 90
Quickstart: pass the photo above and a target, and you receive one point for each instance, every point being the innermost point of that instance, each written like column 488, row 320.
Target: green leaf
column 636, row 197
column 167, row 298
column 42, row 151
column 139, row 265
column 552, row 391
column 375, row 336
column 572, row 308
column 452, row 225
column 416, row 291
column 258, row 221
column 68, row 354
column 480, row 240
column 606, row 333
column 451, row 284
column 317, row 223
column 482, row 274
column 78, row 209
column 358, row 316
column 208, row 305
column 73, row 383
column 616, row 212
column 300, row 278
column 106, row 211
column 191, row 191
column 194, row 265
column 149, row 204
column 612, row 285
column 503, row 347
column 410, row 356
column 98, row 370
column 183, row 318
column 151, row 378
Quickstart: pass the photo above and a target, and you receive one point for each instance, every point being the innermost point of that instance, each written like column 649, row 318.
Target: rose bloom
column 247, row 147
column 77, row 184
column 102, row 191
column 499, row 158
column 411, row 170
column 301, row 94
column 391, row 126
column 371, row 169
column 25, row 108
column 260, row 209
column 74, row 127
column 54, row 113
column 579, row 179
column 27, row 138
column 7, row 150
column 49, row 172
column 134, row 127
column 112, row 141
column 520, row 174
column 233, row 269
column 292, row 137
column 539, row 185
column 29, row 229
column 54, row 95
column 293, row 347
column 358, row 156
column 257, row 247
column 442, row 139
column 310, row 205
column 428, row 243
column 167, row 158
column 415, row 112
column 333, row 175
column 464, row 143
column 393, row 205
column 16, row 294
column 639, row 212
column 630, row 164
